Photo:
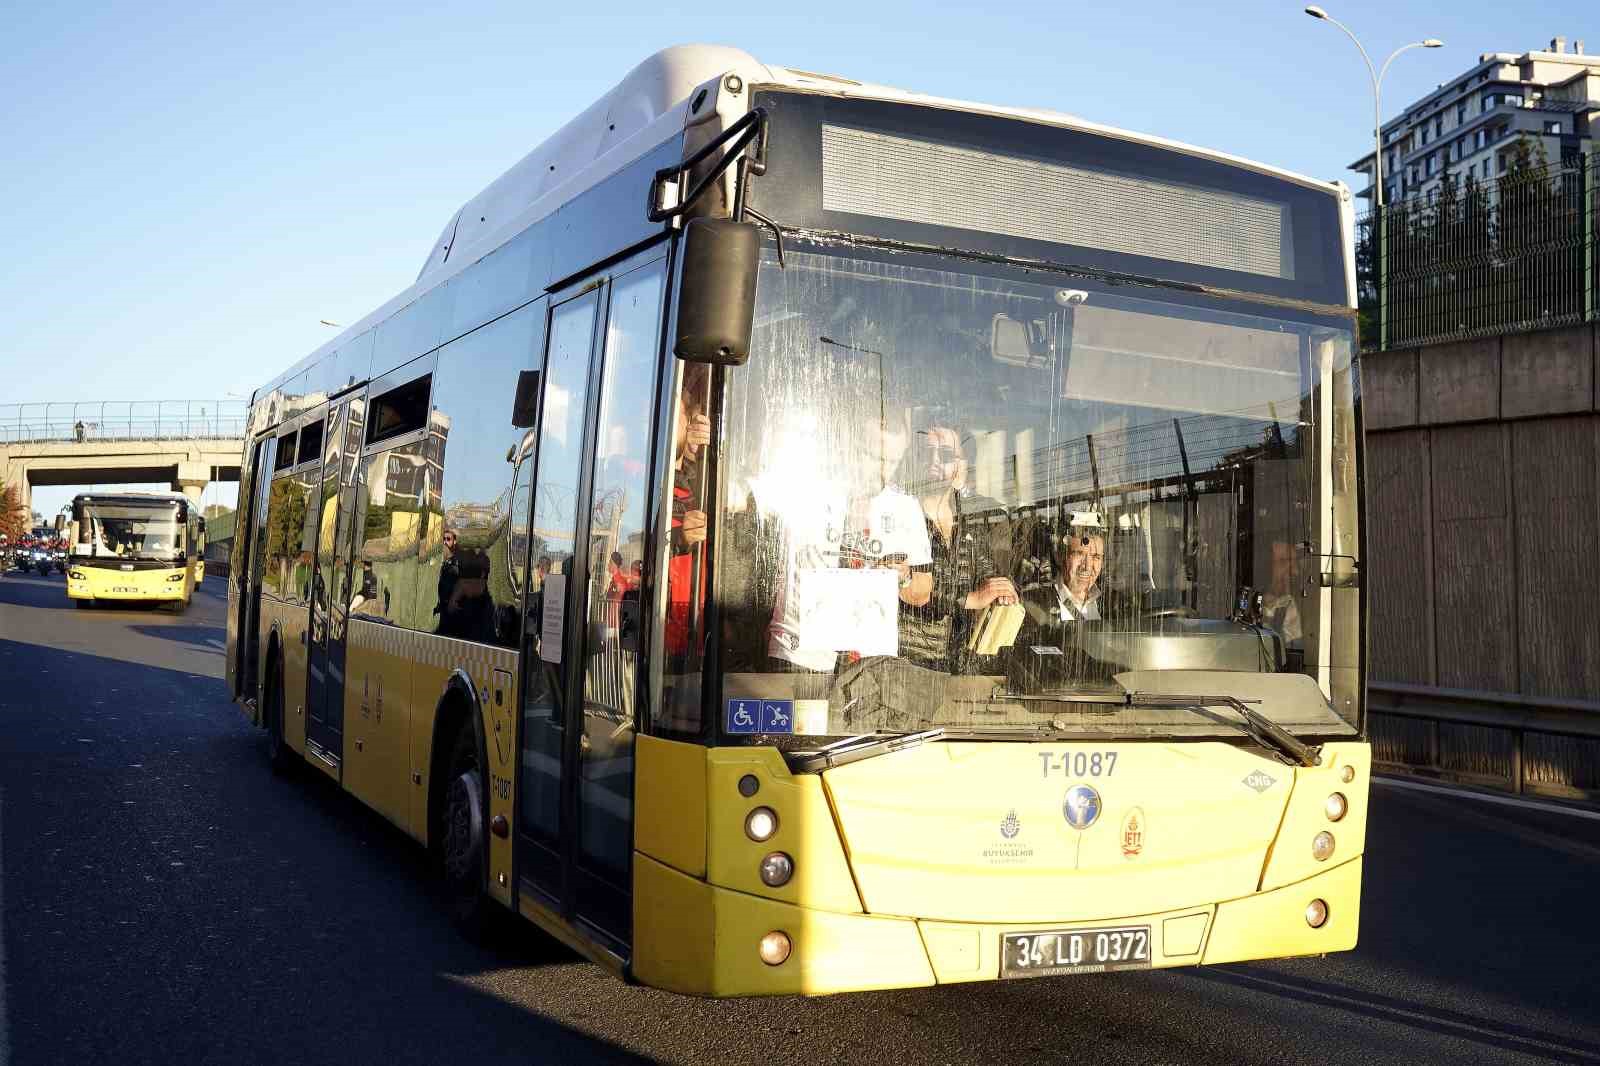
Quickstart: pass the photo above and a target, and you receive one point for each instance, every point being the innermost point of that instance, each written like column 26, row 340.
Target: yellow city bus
column 135, row 547
column 797, row 536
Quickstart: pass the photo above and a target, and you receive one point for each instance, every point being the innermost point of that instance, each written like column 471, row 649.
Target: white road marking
column 1505, row 801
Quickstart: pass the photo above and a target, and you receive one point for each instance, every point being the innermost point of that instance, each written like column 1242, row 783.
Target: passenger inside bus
column 692, row 435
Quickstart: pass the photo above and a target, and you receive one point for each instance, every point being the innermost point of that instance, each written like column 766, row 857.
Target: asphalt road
column 166, row 899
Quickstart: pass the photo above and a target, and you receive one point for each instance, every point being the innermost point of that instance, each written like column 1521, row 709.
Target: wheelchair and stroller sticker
column 760, row 716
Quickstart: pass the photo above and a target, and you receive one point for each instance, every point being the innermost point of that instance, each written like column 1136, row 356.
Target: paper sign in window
column 552, row 623
column 849, row 610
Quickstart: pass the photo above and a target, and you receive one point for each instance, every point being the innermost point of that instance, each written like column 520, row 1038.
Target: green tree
column 13, row 516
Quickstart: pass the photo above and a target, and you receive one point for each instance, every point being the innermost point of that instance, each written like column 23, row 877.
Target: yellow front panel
column 100, row 583
column 972, row 832
column 1291, row 857
column 961, row 843
column 806, row 831
column 669, row 810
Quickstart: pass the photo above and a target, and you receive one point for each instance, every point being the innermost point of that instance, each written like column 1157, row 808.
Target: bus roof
column 132, row 498
column 652, row 103
column 663, row 85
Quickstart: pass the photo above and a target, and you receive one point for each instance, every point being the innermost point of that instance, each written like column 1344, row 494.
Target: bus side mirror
column 717, row 292
column 72, row 535
column 526, row 404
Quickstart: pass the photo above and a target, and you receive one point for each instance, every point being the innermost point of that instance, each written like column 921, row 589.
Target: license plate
column 1075, row 951
column 124, row 588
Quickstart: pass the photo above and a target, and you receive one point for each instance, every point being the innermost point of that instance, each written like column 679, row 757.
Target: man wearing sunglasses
column 939, row 601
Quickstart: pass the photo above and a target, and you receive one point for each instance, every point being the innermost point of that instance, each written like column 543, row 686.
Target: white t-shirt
column 895, row 525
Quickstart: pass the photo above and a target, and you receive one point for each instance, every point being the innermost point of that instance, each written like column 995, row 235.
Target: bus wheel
column 279, row 755
column 461, row 839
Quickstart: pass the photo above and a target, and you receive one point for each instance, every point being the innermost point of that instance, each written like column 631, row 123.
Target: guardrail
column 122, row 420
column 1522, row 744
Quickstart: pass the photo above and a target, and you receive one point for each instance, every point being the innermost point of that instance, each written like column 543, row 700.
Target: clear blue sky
column 189, row 188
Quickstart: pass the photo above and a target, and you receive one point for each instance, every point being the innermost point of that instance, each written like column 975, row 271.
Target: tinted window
column 311, row 442
column 400, row 516
column 478, row 566
column 288, row 557
column 285, row 457
column 400, row 410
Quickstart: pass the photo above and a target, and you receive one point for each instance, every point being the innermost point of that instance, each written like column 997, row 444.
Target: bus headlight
column 775, row 947
column 1335, row 807
column 1316, row 914
column 1348, row 774
column 776, row 869
column 77, row 575
column 760, row 824
column 1322, row 846
column 175, row 577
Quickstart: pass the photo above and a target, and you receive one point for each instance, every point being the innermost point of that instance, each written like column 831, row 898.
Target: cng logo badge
column 1081, row 807
column 1133, row 830
column 1260, row 781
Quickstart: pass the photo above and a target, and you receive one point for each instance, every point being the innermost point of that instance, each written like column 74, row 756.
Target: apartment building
column 1471, row 124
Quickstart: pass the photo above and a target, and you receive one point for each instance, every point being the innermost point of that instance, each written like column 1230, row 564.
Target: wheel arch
column 458, row 706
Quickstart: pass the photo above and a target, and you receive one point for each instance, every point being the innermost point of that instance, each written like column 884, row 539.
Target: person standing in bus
column 691, row 436
column 939, row 600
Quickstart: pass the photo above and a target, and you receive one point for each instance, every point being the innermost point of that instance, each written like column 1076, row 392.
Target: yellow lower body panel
column 1272, row 925
column 695, row 938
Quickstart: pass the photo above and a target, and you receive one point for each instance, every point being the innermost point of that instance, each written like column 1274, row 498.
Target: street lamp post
column 1379, row 234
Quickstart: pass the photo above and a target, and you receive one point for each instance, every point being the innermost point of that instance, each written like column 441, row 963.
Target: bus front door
column 581, row 653
column 330, row 588
column 247, row 580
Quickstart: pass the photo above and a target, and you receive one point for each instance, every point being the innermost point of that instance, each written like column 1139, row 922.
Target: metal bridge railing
column 1484, row 257
column 1523, row 744
column 122, row 420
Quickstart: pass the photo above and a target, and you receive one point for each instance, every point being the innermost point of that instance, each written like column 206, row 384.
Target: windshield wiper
column 854, row 749
column 1270, row 733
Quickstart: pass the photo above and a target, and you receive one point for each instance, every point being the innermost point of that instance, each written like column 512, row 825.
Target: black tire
column 280, row 757
column 463, row 846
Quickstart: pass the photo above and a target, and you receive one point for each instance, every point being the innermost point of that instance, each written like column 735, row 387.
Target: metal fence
column 1521, row 744
column 1482, row 258
column 122, row 420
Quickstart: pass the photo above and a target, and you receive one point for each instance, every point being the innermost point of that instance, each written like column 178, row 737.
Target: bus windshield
column 963, row 495
column 151, row 532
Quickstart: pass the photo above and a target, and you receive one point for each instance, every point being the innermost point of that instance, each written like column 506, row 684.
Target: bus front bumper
column 695, row 938
column 160, row 585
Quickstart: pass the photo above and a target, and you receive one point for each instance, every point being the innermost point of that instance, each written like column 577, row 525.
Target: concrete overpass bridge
column 186, row 444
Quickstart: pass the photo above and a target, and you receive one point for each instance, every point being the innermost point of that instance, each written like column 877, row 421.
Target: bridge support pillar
column 15, row 476
column 191, row 480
